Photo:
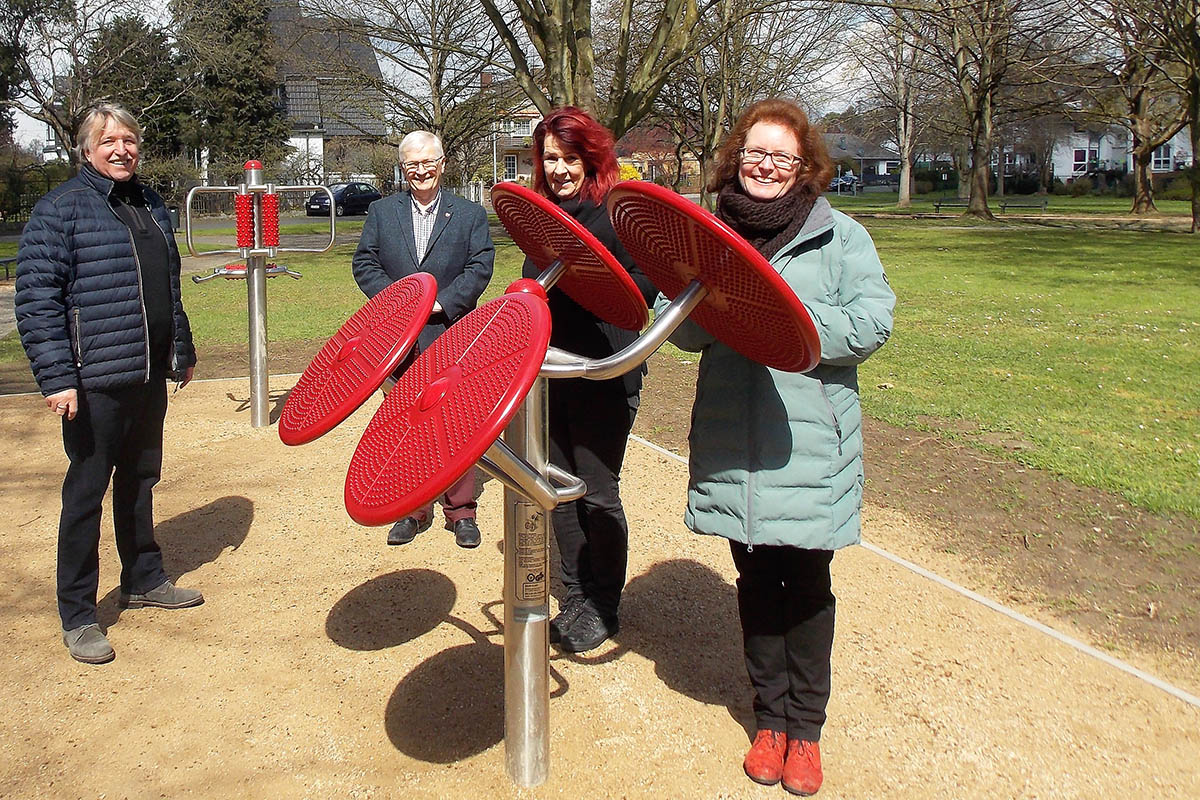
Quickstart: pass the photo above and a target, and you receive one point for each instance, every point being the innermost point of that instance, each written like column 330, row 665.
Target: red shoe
column 764, row 762
column 802, row 769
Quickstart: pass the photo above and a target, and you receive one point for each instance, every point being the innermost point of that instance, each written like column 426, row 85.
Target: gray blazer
column 459, row 256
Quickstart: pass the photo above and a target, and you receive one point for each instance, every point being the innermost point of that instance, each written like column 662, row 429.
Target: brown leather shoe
column 802, row 769
column 764, row 762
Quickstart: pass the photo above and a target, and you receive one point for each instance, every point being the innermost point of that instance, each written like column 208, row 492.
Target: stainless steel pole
column 256, row 291
column 526, row 603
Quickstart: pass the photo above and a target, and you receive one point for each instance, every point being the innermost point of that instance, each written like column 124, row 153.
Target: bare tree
column 1176, row 24
column 437, row 58
column 886, row 51
column 554, row 56
column 1125, row 88
column 58, row 72
column 981, row 47
column 753, row 53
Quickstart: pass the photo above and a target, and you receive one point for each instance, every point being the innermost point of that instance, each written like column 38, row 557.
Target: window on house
column 521, row 127
column 1084, row 158
column 1160, row 161
column 510, row 168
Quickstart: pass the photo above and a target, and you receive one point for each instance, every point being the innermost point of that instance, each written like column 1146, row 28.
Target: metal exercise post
column 488, row 374
column 256, row 207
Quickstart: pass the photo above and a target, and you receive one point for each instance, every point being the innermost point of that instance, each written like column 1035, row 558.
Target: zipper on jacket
column 171, row 352
column 750, row 467
column 837, row 426
column 141, row 289
column 78, row 340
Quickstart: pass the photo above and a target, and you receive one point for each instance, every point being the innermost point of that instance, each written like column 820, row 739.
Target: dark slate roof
column 314, row 67
column 847, row 145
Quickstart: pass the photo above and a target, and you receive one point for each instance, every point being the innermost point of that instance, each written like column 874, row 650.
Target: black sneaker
column 589, row 632
column 568, row 612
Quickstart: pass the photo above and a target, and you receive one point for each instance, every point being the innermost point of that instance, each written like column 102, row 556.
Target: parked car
column 348, row 198
column 845, row 183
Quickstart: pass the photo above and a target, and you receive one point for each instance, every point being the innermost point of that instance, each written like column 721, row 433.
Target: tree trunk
column 1193, row 102
column 1143, row 187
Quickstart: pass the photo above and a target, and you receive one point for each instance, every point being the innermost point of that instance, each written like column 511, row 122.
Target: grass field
column 1078, row 350
column 1057, row 205
column 1071, row 351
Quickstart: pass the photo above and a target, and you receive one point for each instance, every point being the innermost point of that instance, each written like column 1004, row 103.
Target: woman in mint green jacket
column 776, row 457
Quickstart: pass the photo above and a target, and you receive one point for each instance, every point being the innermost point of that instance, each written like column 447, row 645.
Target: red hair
column 578, row 132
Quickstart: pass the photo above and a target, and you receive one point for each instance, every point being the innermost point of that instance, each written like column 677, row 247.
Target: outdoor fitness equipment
column 489, row 371
column 256, row 208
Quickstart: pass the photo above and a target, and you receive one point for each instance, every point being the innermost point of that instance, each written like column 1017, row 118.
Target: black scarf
column 766, row 224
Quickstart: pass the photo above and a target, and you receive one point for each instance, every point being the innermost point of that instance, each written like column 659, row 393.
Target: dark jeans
column 116, row 436
column 786, row 606
column 589, row 426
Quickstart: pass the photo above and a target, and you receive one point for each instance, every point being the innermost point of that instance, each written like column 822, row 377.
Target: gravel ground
column 325, row 664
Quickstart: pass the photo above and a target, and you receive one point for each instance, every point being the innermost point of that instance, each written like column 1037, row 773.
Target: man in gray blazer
column 425, row 229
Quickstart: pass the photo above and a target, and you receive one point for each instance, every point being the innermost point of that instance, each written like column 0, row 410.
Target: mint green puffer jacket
column 776, row 457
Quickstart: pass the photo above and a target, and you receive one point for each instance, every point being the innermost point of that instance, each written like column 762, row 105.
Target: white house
column 1081, row 152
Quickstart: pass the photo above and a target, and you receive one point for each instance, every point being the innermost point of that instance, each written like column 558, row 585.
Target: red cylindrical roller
column 243, row 207
column 270, row 220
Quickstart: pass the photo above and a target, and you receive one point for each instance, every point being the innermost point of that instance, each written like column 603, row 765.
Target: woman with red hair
column 575, row 165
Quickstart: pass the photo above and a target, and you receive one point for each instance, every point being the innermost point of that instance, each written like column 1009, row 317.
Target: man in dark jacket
column 425, row 229
column 101, row 318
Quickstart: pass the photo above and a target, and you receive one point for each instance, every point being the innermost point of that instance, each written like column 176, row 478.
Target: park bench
column 1038, row 203
column 9, row 263
column 937, row 204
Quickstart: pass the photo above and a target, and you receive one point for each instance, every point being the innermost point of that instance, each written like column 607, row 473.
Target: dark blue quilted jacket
column 79, row 295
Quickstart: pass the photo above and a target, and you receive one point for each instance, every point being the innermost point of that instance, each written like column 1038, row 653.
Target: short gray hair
column 97, row 118
column 419, row 139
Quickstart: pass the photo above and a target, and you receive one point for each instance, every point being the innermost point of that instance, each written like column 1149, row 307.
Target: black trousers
column 589, row 427
column 115, row 436
column 786, row 605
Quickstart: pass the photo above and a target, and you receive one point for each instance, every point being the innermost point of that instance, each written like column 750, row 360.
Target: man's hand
column 64, row 403
column 187, row 376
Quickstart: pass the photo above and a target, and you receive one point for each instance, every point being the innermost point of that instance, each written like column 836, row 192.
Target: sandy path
column 325, row 664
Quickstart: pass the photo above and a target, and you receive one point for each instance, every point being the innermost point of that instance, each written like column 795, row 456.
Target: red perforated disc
column 357, row 359
column 546, row 233
column 447, row 409
column 748, row 307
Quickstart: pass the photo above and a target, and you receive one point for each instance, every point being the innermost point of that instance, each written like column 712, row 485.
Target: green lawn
column 1072, row 351
column 1059, row 205
column 1078, row 346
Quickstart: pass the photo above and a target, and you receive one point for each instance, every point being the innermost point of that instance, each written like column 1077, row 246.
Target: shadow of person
column 451, row 706
column 192, row 539
column 683, row 616
column 391, row 609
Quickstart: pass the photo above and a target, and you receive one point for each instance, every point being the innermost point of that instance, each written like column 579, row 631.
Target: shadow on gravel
column 451, row 706
column 390, row 610
column 683, row 616
column 190, row 540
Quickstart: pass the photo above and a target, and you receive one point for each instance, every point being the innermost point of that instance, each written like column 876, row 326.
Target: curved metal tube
column 561, row 364
column 551, row 274
column 187, row 216
column 505, row 466
column 332, row 221
column 573, row 487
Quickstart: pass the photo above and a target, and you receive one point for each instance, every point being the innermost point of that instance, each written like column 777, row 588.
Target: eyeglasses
column 429, row 163
column 781, row 160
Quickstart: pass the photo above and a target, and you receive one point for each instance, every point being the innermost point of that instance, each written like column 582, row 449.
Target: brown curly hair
column 813, row 175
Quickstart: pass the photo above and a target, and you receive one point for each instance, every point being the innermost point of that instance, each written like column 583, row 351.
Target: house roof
column 322, row 73
column 847, row 145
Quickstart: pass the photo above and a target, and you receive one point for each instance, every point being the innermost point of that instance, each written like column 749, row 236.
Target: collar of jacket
column 104, row 185
column 820, row 220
